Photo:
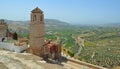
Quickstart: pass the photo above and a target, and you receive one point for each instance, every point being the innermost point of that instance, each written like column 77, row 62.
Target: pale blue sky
column 72, row 11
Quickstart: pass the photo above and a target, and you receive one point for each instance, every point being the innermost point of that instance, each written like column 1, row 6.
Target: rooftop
column 37, row 10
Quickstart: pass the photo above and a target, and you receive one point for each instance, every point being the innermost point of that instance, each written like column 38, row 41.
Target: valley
column 95, row 44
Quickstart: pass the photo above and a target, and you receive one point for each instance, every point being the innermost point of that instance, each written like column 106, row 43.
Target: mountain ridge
column 23, row 26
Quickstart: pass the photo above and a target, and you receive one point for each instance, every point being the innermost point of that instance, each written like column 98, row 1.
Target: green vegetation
column 48, row 36
column 88, row 43
column 26, row 35
column 15, row 36
column 101, row 43
column 71, row 54
column 106, row 56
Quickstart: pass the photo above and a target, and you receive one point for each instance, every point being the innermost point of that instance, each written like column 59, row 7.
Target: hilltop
column 12, row 60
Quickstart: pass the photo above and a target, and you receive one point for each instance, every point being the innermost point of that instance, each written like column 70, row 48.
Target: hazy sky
column 72, row 11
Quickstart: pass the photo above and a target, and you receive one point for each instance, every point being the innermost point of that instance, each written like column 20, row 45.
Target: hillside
column 95, row 44
column 23, row 26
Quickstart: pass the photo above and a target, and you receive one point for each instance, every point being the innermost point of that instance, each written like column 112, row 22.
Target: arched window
column 41, row 18
column 34, row 18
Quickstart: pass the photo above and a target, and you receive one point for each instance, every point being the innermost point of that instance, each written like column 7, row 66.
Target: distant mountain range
column 23, row 26
column 48, row 22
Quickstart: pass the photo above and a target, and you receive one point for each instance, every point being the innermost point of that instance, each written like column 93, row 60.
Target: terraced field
column 99, row 45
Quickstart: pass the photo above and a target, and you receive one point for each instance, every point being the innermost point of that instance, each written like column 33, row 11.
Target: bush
column 71, row 54
column 15, row 36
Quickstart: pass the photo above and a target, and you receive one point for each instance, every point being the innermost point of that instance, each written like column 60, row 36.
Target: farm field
column 96, row 44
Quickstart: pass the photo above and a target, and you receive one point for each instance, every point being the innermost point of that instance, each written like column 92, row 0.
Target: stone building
column 38, row 46
column 37, row 32
column 52, row 50
column 3, row 29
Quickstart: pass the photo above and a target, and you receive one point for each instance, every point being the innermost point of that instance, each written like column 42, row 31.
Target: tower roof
column 37, row 10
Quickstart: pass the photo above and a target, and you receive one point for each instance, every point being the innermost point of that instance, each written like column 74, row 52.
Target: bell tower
column 37, row 32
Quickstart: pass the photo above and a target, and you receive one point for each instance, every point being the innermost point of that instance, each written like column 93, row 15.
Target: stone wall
column 12, row 47
column 3, row 29
column 37, row 32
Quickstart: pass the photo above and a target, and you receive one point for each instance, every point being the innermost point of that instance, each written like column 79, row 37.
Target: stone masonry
column 3, row 29
column 37, row 32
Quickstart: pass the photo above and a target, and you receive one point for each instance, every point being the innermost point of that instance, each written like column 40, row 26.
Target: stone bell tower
column 37, row 32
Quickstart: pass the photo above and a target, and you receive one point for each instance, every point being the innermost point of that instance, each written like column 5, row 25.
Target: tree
column 15, row 36
column 70, row 53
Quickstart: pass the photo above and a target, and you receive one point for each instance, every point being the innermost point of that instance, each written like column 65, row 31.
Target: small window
column 34, row 18
column 41, row 18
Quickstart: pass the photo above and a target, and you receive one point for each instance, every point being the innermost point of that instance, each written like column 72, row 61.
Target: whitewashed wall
column 11, row 47
column 4, row 40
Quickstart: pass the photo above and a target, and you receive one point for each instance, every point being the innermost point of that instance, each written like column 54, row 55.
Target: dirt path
column 79, row 41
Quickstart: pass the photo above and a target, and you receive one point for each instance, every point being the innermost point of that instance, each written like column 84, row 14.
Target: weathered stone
column 3, row 66
column 3, row 29
column 12, row 60
column 37, row 32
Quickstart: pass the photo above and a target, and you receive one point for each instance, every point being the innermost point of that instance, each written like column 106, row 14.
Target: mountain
column 54, row 22
column 48, row 22
column 23, row 26
column 113, row 24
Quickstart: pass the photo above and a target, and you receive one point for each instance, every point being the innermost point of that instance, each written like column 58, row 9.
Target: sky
column 71, row 11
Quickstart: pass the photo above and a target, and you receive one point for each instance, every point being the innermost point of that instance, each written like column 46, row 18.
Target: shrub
column 71, row 54
column 15, row 36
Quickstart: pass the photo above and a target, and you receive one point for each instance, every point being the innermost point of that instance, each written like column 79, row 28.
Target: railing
column 12, row 47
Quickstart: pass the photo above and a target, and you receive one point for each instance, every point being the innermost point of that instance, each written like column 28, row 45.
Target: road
column 79, row 41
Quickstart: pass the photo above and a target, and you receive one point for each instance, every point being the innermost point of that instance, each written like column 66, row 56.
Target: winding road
column 79, row 41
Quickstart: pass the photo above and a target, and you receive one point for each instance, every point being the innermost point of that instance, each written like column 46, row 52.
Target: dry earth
column 12, row 60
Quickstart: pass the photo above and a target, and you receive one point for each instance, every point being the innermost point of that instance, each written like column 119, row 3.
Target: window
column 34, row 17
column 41, row 18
